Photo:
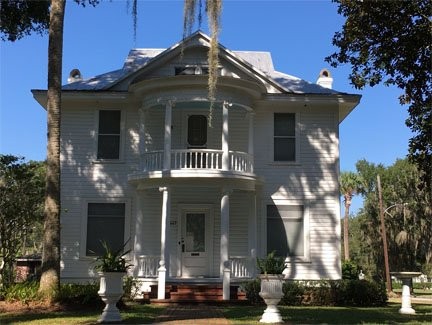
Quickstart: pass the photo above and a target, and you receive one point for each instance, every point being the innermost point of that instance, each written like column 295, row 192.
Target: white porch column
column 167, row 136
column 225, row 138
column 142, row 112
column 225, row 268
column 137, row 245
column 252, row 233
column 250, row 116
column 164, row 243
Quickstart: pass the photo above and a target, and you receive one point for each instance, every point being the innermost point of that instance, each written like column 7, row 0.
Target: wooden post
column 384, row 237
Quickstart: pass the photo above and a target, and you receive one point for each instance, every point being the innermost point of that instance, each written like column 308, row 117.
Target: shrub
column 360, row 293
column 325, row 293
column 131, row 288
column 84, row 294
column 293, row 293
column 252, row 289
column 24, row 292
column 350, row 270
column 320, row 294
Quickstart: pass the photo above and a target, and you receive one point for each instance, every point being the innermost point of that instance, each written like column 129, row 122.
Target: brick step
column 197, row 292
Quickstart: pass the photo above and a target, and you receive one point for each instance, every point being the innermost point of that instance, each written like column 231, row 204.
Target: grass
column 133, row 313
column 332, row 315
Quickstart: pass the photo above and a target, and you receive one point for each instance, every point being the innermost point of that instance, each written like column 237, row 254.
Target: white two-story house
column 198, row 192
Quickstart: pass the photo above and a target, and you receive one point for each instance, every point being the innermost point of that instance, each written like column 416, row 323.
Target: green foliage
column 325, row 293
column 23, row 17
column 427, row 269
column 131, row 288
column 111, row 261
column 389, row 42
column 415, row 285
column 81, row 294
column 350, row 184
column 350, row 270
column 24, row 292
column 21, row 208
column 360, row 293
column 293, row 293
column 252, row 289
column 271, row 264
column 407, row 220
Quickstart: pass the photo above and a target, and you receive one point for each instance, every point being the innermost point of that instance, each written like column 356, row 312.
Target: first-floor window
column 105, row 222
column 286, row 230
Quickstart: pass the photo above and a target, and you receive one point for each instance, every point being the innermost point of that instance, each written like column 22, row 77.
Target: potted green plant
column 271, row 268
column 111, row 267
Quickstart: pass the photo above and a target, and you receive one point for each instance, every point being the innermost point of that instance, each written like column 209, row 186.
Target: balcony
column 197, row 159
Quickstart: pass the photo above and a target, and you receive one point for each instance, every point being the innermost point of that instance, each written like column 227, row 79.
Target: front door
column 195, row 241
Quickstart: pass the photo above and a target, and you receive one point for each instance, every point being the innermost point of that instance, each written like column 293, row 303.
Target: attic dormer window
column 193, row 70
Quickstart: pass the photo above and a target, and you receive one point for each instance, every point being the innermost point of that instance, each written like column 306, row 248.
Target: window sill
column 284, row 163
column 107, row 161
column 305, row 260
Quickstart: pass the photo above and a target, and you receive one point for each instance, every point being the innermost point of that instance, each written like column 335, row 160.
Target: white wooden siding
column 313, row 179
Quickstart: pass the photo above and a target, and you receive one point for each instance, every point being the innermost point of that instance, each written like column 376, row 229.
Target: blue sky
column 97, row 40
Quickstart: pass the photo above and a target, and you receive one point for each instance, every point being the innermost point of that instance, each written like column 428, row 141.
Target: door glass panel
column 197, row 130
column 195, row 232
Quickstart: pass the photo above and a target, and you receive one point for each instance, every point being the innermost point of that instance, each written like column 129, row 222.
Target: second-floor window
column 109, row 134
column 197, row 131
column 284, row 137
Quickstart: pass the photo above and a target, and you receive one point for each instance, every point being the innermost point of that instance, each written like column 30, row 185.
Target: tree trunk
column 50, row 280
column 345, row 233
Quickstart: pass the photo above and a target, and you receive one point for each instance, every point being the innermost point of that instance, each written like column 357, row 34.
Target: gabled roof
column 258, row 64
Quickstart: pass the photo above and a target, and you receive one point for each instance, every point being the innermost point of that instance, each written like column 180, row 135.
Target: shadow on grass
column 333, row 315
column 131, row 314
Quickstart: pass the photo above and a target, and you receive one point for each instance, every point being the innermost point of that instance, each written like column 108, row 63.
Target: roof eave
column 41, row 95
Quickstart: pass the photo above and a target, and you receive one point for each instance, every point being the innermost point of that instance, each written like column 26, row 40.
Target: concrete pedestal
column 406, row 277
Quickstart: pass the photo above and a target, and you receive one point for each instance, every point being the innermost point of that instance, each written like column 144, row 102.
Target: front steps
column 202, row 293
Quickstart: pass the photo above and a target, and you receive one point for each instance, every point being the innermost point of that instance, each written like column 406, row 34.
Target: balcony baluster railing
column 197, row 159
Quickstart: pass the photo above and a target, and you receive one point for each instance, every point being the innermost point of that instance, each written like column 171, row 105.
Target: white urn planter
column 271, row 292
column 110, row 290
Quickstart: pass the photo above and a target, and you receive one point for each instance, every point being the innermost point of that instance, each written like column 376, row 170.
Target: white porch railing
column 197, row 159
column 148, row 266
column 242, row 266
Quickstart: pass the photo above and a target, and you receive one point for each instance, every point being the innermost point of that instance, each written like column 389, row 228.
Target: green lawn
column 145, row 314
column 131, row 314
column 333, row 315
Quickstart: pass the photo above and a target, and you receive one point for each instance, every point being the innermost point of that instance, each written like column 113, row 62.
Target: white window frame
column 122, row 136
column 84, row 217
column 296, row 160
column 306, row 227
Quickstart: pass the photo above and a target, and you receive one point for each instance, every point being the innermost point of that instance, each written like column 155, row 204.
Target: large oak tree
column 389, row 42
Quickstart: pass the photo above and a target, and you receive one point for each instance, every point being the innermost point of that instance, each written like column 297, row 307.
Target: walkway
column 196, row 314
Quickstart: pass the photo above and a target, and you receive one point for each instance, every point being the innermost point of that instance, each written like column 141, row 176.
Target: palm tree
column 350, row 184
column 50, row 279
